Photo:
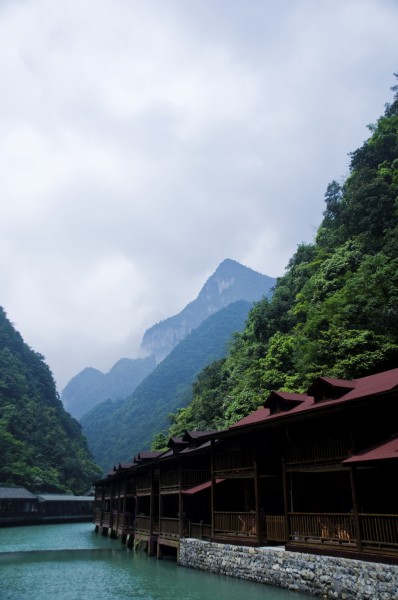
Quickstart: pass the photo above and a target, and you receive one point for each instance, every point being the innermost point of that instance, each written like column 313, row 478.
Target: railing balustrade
column 106, row 519
column 235, row 523
column 275, row 528
column 317, row 451
column 143, row 524
column 196, row 477
column 325, row 527
column 170, row 480
column 169, row 527
column 199, row 531
column 379, row 531
column 233, row 463
column 144, row 485
column 128, row 487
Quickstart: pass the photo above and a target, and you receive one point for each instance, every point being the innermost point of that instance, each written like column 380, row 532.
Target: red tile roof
column 372, row 385
column 384, row 451
column 201, row 487
column 256, row 417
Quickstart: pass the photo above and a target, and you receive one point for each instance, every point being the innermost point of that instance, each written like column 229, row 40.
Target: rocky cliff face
column 229, row 283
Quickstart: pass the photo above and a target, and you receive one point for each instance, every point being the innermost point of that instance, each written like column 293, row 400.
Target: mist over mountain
column 116, row 430
column 230, row 282
column 90, row 387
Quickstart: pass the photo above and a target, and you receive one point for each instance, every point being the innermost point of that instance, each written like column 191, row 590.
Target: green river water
column 71, row 562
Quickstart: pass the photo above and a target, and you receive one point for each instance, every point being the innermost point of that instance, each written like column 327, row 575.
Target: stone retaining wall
column 324, row 576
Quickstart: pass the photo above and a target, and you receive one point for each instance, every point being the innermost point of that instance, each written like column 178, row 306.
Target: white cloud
column 143, row 143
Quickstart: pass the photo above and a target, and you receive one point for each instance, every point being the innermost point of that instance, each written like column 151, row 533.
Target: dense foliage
column 41, row 446
column 129, row 425
column 334, row 312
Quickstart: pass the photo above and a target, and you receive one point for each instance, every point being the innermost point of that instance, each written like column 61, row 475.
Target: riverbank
column 321, row 576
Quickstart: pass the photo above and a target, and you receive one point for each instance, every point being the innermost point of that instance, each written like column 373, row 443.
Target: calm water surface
column 71, row 562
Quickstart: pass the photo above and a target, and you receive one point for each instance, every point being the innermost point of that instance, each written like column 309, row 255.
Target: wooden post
column 212, row 485
column 285, row 500
column 151, row 505
column 256, row 489
column 180, row 501
column 355, row 508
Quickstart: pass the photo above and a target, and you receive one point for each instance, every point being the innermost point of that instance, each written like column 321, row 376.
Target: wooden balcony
column 322, row 451
column 377, row 533
column 143, row 524
column 243, row 524
column 234, row 464
column 169, row 528
column 170, row 480
column 128, row 487
column 239, row 524
column 144, row 486
column 275, row 528
column 322, row 528
column 123, row 523
column 106, row 519
column 200, row 530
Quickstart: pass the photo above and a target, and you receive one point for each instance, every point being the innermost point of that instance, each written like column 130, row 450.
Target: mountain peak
column 230, row 282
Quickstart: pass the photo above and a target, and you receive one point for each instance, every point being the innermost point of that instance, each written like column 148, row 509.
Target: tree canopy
column 41, row 445
column 335, row 310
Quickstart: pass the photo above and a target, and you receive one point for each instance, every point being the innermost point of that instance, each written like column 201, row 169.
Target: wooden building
column 314, row 472
column 19, row 506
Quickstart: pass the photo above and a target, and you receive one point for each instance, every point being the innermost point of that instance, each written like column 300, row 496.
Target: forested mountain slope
column 41, row 445
column 335, row 311
column 91, row 387
column 117, row 430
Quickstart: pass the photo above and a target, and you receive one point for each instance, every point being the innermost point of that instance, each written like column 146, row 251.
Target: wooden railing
column 106, row 519
column 200, row 530
column 275, row 528
column 127, row 522
column 144, row 485
column 170, row 480
column 169, row 527
column 128, row 487
column 379, row 531
column 193, row 478
column 317, row 451
column 325, row 527
column 143, row 524
column 235, row 523
column 233, row 464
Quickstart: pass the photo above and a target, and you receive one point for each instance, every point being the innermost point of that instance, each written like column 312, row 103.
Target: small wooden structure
column 19, row 506
column 314, row 472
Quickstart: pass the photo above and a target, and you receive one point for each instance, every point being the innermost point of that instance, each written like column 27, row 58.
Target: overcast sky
column 143, row 142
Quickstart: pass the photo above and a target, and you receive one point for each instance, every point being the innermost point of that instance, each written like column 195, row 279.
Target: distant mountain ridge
column 229, row 283
column 129, row 425
column 90, row 387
